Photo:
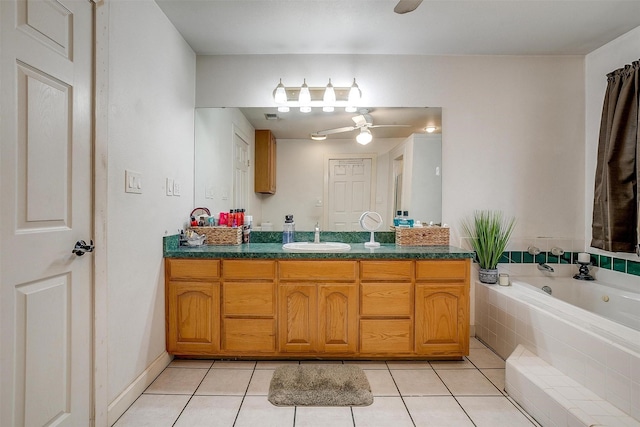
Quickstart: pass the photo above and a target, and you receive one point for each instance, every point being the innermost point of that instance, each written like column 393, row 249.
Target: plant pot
column 489, row 276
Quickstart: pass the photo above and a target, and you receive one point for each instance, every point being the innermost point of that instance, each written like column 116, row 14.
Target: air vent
column 271, row 116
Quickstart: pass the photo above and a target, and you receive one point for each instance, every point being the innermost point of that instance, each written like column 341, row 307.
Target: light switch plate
column 132, row 182
column 169, row 186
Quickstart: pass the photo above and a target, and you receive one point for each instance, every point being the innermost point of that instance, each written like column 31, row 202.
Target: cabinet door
column 297, row 319
column 441, row 318
column 265, row 162
column 338, row 318
column 193, row 310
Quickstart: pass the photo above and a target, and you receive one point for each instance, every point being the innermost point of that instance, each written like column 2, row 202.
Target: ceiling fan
column 362, row 122
column 405, row 6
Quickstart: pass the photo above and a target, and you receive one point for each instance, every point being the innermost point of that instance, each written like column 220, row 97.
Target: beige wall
column 151, row 94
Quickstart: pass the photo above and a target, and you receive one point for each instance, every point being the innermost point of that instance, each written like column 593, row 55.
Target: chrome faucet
column 545, row 267
column 316, row 237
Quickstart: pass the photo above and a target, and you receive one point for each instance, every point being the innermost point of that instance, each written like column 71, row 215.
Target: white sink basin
column 317, row 247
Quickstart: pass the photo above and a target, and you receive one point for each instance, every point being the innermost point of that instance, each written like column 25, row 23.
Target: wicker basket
column 220, row 235
column 422, row 236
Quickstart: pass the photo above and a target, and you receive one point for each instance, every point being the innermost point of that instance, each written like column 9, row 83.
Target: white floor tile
column 409, row 364
column 441, row 411
column 468, row 382
column 310, row 416
column 273, row 364
column 227, row 382
column 493, row 411
column 258, row 411
column 485, row 358
column 383, row 412
column 233, row 364
column 496, row 376
column 210, row 411
column 476, row 343
column 418, row 382
column 260, row 382
column 452, row 364
column 381, row 382
column 191, row 363
column 151, row 410
column 177, row 381
column 367, row 364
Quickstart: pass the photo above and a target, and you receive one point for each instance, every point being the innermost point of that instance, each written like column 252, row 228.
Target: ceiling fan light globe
column 318, row 137
column 364, row 137
column 430, row 129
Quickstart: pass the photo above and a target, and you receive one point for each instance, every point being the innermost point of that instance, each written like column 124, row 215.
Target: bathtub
column 595, row 342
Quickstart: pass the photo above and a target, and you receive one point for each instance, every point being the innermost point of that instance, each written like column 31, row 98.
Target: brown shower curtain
column 615, row 204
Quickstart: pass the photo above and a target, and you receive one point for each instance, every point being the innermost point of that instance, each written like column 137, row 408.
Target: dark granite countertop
column 260, row 250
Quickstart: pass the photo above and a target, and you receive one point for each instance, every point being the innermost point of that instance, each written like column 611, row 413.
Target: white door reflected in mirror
column 371, row 221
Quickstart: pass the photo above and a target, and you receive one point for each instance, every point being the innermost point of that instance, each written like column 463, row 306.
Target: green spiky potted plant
column 489, row 233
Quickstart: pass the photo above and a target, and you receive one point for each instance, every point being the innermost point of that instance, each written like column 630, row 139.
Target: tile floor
column 194, row 393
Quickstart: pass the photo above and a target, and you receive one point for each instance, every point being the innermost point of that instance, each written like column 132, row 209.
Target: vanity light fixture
column 364, row 137
column 326, row 97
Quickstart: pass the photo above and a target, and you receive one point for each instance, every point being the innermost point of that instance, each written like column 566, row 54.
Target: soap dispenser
column 288, row 229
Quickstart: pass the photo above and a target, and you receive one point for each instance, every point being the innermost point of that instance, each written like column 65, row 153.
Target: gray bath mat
column 320, row 385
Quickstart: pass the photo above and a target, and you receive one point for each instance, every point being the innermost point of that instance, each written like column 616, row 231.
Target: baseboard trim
column 121, row 403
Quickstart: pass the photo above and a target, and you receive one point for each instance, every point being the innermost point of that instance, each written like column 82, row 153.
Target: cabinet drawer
column 438, row 270
column 319, row 270
column 243, row 269
column 386, row 299
column 253, row 335
column 248, row 299
column 386, row 270
column 192, row 269
column 386, row 336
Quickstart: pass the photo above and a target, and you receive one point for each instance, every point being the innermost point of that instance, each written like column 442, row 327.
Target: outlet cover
column 176, row 188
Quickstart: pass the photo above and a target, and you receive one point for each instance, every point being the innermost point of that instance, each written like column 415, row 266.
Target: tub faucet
column 545, row 267
column 316, row 237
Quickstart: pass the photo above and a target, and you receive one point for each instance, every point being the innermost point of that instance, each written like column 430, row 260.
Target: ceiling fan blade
column 405, row 6
column 389, row 126
column 337, row 130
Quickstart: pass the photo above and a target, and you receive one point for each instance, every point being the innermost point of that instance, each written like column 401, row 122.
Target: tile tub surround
column 507, row 317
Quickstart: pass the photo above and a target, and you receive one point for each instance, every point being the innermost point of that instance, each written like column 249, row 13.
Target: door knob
column 81, row 247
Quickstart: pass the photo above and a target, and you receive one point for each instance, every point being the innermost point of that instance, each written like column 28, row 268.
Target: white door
column 349, row 192
column 240, row 172
column 46, row 192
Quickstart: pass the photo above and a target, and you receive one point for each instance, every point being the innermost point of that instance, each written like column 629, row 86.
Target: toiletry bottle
column 397, row 218
column 288, row 229
column 246, row 229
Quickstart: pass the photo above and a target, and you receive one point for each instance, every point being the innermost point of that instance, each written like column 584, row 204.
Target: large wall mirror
column 329, row 182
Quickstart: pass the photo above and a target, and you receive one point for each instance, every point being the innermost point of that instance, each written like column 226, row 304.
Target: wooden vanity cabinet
column 318, row 308
column 248, row 306
column 265, row 162
column 386, row 307
column 442, row 308
column 192, row 306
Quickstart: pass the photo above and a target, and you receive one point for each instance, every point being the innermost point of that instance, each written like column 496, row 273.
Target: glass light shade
column 283, row 109
column 350, row 109
column 364, row 137
column 318, row 137
column 305, row 109
column 329, row 97
column 430, row 129
column 304, row 98
column 280, row 94
column 328, row 109
column 354, row 93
